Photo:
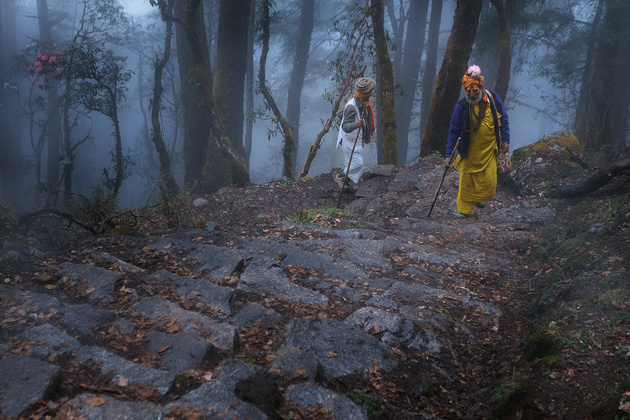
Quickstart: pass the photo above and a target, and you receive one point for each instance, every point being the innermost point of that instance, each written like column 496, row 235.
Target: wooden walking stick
column 450, row 160
column 343, row 185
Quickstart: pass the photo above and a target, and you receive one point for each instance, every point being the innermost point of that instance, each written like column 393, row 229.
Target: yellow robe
column 478, row 170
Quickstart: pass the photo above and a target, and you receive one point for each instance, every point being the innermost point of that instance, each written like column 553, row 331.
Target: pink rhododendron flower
column 51, row 59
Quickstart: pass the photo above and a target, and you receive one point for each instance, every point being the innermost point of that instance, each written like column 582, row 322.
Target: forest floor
column 565, row 352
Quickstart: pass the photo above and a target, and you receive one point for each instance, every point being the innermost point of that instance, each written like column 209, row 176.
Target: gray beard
column 474, row 100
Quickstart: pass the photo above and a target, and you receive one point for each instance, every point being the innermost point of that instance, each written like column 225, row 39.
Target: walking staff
column 448, row 165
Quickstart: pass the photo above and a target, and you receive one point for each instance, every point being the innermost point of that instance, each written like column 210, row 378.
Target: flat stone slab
column 123, row 265
column 221, row 334
column 53, row 341
column 299, row 363
column 120, row 369
column 84, row 318
column 213, row 401
column 397, row 330
column 98, row 283
column 23, row 382
column 202, row 290
column 312, row 399
column 220, row 262
column 218, row 398
column 258, row 279
column 341, row 348
column 103, row 407
column 255, row 313
column 180, row 351
column 41, row 303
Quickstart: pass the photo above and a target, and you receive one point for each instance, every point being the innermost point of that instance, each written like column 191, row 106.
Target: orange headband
column 363, row 95
column 468, row 81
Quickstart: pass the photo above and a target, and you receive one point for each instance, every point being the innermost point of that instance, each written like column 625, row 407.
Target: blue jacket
column 457, row 126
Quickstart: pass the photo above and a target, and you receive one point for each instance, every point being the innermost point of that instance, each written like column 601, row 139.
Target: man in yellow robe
column 480, row 120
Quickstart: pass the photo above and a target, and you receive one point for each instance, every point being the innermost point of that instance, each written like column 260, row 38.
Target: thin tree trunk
column 412, row 55
column 453, row 68
column 249, row 87
column 11, row 156
column 54, row 127
column 386, row 76
column 287, row 167
column 298, row 73
column 145, row 134
column 505, row 9
column 428, row 78
column 166, row 169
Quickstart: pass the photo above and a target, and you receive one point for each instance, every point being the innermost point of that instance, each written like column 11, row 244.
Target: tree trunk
column 249, row 89
column 11, row 157
column 414, row 45
column 398, row 25
column 386, row 76
column 231, row 66
column 287, row 167
column 298, row 73
column 54, row 127
column 601, row 125
column 428, row 78
column 223, row 165
column 145, row 132
column 119, row 160
column 454, row 66
column 196, row 126
column 588, row 62
column 617, row 167
column 166, row 170
column 505, row 10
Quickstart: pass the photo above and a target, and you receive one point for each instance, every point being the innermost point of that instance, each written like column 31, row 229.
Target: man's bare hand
column 360, row 123
column 447, row 162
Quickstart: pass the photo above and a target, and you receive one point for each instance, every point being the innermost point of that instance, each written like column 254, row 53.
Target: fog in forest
column 549, row 48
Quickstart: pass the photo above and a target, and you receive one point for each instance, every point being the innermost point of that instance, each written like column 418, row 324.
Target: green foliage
column 543, row 343
column 176, row 207
column 286, row 181
column 510, row 390
column 362, row 398
column 226, row 199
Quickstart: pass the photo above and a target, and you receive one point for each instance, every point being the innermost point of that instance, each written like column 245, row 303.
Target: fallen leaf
column 332, row 354
column 96, row 401
column 163, row 349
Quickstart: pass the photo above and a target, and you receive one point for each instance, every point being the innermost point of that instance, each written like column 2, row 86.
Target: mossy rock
column 548, row 162
column 558, row 145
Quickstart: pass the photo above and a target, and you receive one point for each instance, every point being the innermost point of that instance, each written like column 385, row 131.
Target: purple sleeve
column 456, row 129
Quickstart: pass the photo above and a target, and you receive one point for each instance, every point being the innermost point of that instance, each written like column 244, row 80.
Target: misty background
column 550, row 43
